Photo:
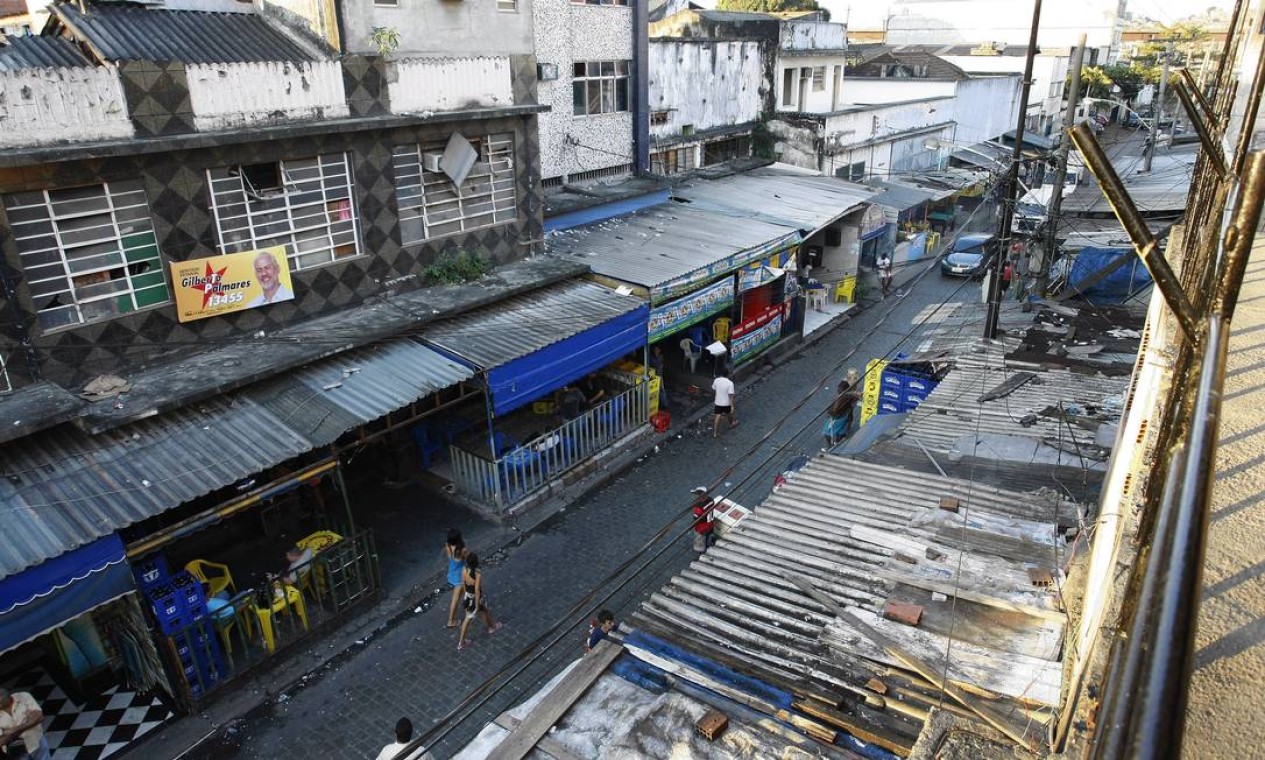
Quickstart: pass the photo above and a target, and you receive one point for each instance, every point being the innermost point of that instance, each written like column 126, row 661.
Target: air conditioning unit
column 431, row 162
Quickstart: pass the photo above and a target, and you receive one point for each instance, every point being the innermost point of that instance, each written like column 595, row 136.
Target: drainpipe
column 641, row 98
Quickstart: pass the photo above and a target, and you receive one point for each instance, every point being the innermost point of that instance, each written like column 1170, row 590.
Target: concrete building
column 592, row 76
column 1006, row 22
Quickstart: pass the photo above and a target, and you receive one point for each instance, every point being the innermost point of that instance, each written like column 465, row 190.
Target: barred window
column 89, row 253
column 307, row 205
column 599, row 87
column 672, row 161
column 819, row 78
column 431, row 205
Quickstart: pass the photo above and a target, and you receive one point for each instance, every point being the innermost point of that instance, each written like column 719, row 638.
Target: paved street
column 414, row 668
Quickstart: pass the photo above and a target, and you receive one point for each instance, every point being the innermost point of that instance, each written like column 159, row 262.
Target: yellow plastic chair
column 213, row 574
column 845, row 289
column 292, row 598
column 312, row 578
column 720, row 329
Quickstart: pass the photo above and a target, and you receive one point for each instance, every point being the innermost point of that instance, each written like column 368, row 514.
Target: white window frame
column 507, row 6
column 431, row 207
column 48, row 228
column 614, row 78
column 305, row 218
column 819, row 79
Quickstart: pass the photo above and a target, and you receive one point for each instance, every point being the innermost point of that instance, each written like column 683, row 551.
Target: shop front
column 73, row 635
column 563, row 377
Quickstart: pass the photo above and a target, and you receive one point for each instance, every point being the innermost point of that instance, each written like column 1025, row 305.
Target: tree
column 1093, row 76
column 772, row 6
column 1131, row 78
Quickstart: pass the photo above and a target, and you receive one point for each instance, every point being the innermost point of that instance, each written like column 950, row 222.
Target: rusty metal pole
column 1012, row 184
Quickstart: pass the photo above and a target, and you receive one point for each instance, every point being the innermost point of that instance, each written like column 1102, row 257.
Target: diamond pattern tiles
column 157, row 97
column 180, row 205
column 364, row 81
column 102, row 726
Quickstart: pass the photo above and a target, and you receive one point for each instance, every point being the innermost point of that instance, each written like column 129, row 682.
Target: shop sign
column 757, row 274
column 759, row 338
column 755, row 322
column 687, row 282
column 233, row 282
column 694, row 308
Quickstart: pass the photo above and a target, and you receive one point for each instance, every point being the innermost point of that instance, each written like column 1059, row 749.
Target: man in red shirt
column 703, row 520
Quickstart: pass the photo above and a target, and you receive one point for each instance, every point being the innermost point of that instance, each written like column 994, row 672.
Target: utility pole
column 1012, row 183
column 1159, row 113
column 1060, row 172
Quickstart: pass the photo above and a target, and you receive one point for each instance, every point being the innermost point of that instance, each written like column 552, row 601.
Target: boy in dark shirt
column 605, row 624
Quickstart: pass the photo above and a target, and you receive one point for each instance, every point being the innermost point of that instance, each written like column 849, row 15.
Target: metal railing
column 523, row 470
column 258, row 624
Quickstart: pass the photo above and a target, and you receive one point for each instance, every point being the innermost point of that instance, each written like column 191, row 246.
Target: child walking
column 473, row 600
column 455, row 552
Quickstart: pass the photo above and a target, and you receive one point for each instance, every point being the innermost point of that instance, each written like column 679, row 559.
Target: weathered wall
column 1049, row 72
column 869, row 90
column 889, row 139
column 815, row 101
column 567, row 33
column 441, row 27
column 812, row 35
column 985, row 108
column 449, row 84
column 228, row 95
column 318, row 18
column 46, row 106
column 706, row 84
column 797, row 142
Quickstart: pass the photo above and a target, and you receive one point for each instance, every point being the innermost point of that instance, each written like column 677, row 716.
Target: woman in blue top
column 455, row 551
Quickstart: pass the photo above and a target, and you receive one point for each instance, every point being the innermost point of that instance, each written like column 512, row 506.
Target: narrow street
column 414, row 669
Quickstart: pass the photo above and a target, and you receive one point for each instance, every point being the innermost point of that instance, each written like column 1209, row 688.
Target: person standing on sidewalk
column 474, row 601
column 884, row 264
column 403, row 735
column 455, row 553
column 724, row 401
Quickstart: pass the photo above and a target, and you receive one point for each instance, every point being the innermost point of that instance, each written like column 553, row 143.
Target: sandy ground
column 1228, row 684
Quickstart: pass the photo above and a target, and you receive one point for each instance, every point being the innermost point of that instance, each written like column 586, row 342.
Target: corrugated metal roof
column 663, row 242
column 518, row 326
column 125, row 33
column 31, row 52
column 738, row 600
column 62, row 488
column 899, row 197
column 769, row 194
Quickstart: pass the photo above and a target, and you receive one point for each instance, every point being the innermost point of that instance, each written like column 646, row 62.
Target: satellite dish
column 459, row 158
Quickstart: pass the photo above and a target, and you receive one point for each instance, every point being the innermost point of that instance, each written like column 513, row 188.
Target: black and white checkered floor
column 100, row 727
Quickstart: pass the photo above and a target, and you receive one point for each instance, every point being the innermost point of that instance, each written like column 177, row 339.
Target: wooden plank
column 992, row 718
column 1012, row 384
column 547, row 744
column 542, row 717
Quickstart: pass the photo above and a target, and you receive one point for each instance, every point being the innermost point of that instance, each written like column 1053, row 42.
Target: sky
column 869, row 14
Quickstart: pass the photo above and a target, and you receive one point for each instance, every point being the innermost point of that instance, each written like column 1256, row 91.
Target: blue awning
column 44, row 597
column 535, row 343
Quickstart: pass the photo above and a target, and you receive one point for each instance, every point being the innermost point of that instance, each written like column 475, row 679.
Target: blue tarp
column 604, row 211
column 526, row 379
column 1127, row 280
column 57, row 590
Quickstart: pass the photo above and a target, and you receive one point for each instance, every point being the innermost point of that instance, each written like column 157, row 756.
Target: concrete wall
column 880, row 136
column 566, row 33
column 228, row 95
column 706, row 84
column 985, row 107
column 814, row 101
column 812, row 35
column 450, row 84
column 869, row 90
column 45, row 106
column 441, row 27
column 318, row 18
column 957, row 22
column 1049, row 73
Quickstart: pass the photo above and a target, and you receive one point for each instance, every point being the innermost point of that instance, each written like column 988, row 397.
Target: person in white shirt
column 22, row 719
column 268, row 272
column 403, row 735
column 300, row 564
column 724, row 402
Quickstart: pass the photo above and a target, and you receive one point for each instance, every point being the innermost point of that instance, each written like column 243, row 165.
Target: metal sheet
column 31, row 52
column 518, row 326
column 778, row 196
column 62, row 488
column 129, row 33
column 900, row 197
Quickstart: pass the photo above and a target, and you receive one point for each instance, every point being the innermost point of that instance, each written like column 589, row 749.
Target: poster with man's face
column 232, row 282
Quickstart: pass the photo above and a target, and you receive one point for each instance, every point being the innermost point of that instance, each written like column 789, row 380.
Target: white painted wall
column 705, row 83
column 228, row 95
column 868, row 91
column 45, row 106
column 877, row 135
column 451, row 84
column 566, row 33
column 441, row 27
column 814, row 101
column 985, row 107
column 1049, row 73
column 958, row 22
column 812, row 35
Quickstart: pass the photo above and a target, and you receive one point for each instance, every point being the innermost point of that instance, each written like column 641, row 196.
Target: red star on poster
column 210, row 284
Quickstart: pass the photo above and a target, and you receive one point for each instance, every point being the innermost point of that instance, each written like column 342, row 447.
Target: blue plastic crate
column 169, row 611
column 891, row 393
column 889, row 407
column 921, row 384
column 893, row 379
column 151, row 570
column 191, row 594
